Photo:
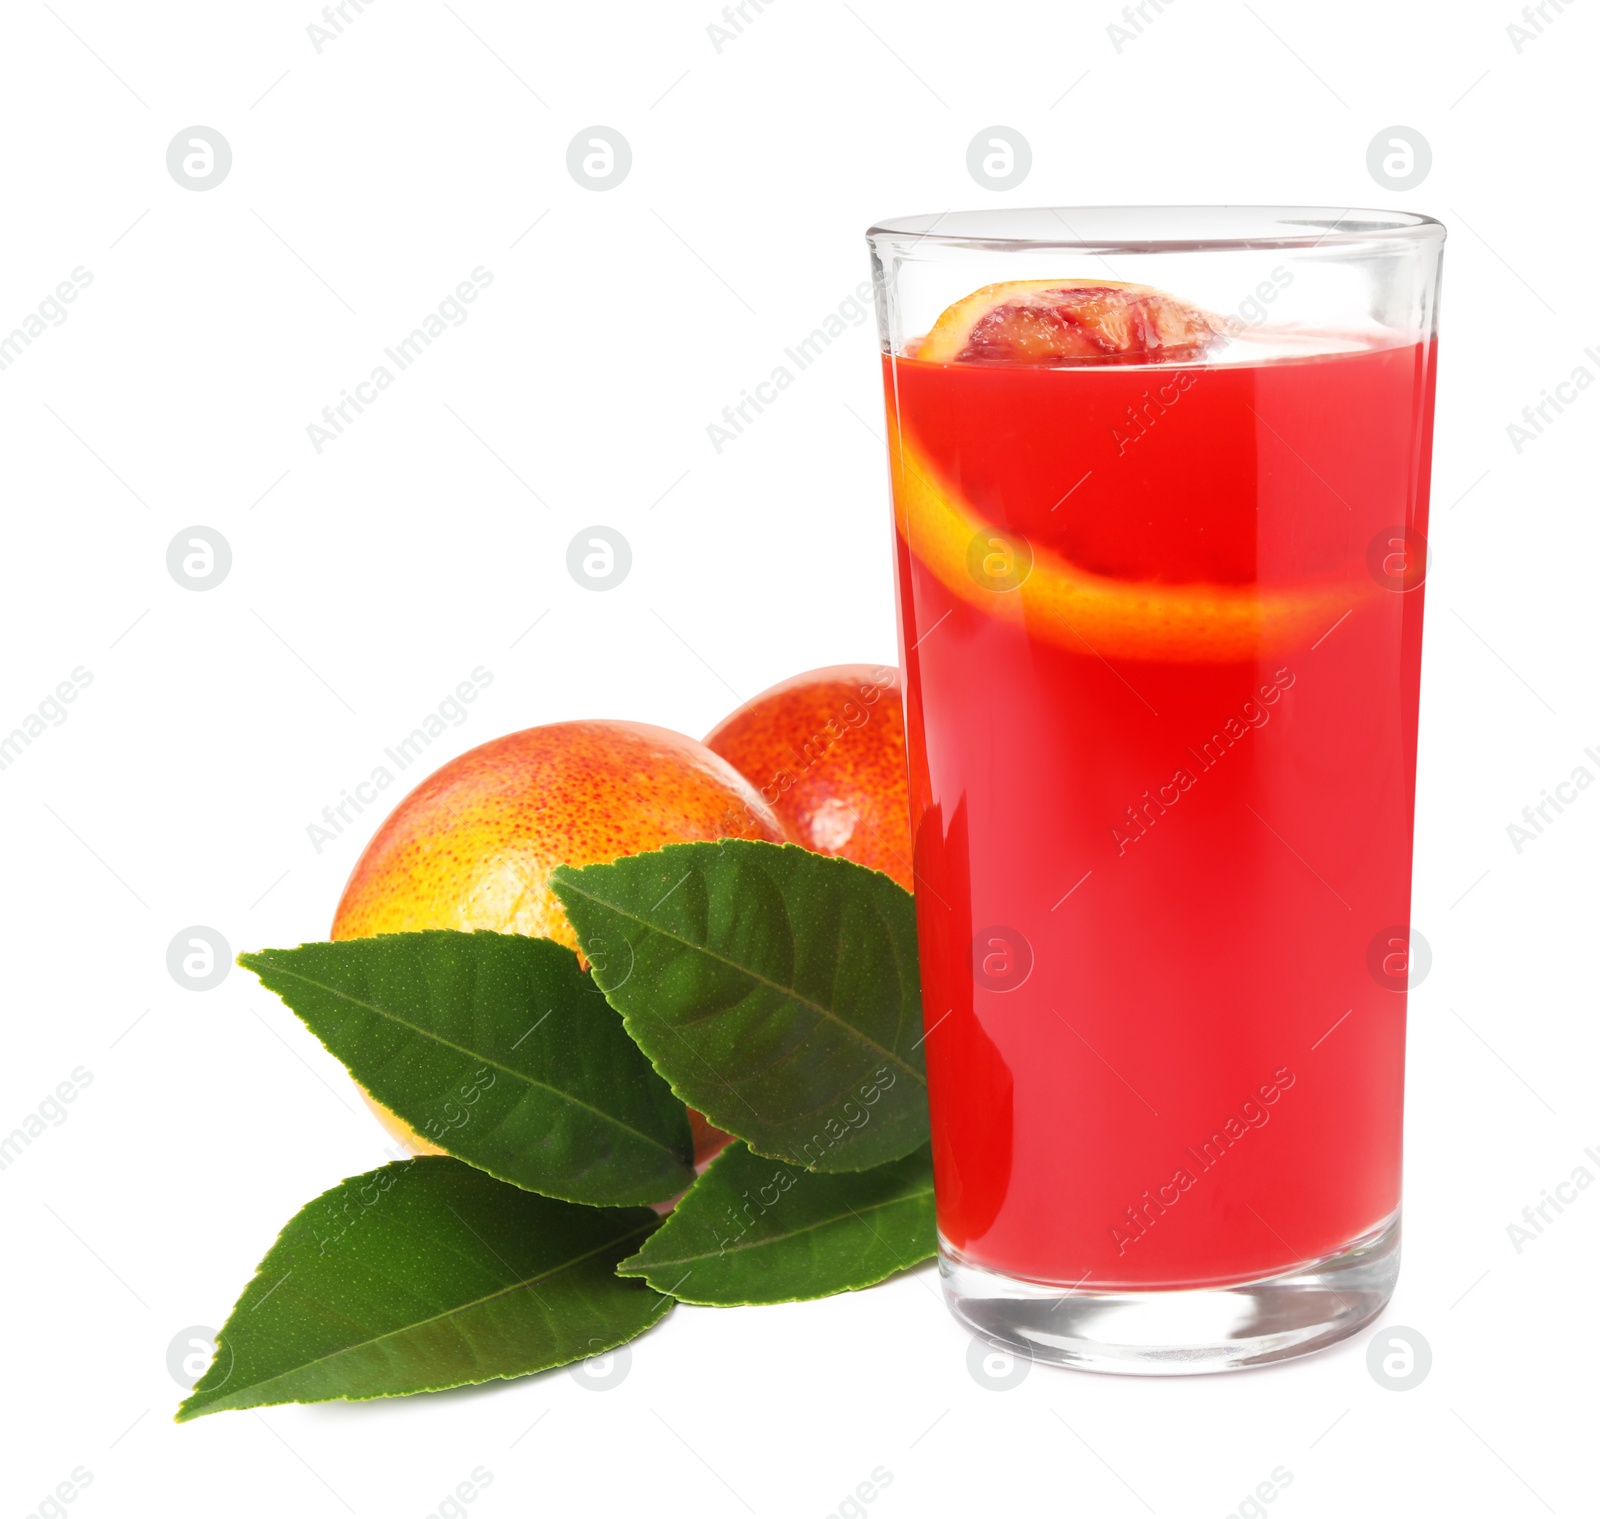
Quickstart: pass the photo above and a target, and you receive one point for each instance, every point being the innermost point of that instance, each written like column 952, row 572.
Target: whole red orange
column 474, row 845
column 827, row 752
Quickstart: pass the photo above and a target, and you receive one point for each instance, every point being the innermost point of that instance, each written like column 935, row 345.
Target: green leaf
column 499, row 1049
column 753, row 1230
column 422, row 1275
column 775, row 989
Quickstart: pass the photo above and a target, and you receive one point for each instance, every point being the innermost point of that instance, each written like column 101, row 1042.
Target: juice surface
column 1155, row 875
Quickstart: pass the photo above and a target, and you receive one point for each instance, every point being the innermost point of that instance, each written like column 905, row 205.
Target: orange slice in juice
column 1061, row 322
column 1004, row 575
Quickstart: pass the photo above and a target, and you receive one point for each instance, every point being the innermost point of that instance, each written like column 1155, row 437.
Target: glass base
column 1183, row 1332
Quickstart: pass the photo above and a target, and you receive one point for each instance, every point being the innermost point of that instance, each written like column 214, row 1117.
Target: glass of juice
column 1160, row 483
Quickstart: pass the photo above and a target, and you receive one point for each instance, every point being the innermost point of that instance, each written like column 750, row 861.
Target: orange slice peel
column 1032, row 586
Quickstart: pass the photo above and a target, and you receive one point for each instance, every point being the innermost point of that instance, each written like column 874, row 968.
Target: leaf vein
column 792, row 993
column 774, row 1239
column 527, row 1283
column 450, row 1044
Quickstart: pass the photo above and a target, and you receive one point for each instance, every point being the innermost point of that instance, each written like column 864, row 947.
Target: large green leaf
column 775, row 989
column 499, row 1049
column 753, row 1230
column 421, row 1275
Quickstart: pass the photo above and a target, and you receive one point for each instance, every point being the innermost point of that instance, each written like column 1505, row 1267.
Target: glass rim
column 1137, row 229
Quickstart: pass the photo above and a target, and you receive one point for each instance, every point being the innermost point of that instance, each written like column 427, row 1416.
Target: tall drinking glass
column 1160, row 486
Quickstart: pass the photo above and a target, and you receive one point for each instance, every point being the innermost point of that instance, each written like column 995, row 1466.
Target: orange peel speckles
column 474, row 845
column 1050, row 322
column 1031, row 585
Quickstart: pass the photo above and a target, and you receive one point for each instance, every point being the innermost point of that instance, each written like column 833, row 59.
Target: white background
column 367, row 580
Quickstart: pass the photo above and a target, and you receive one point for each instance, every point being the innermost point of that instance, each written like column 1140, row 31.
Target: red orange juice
column 1161, row 633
